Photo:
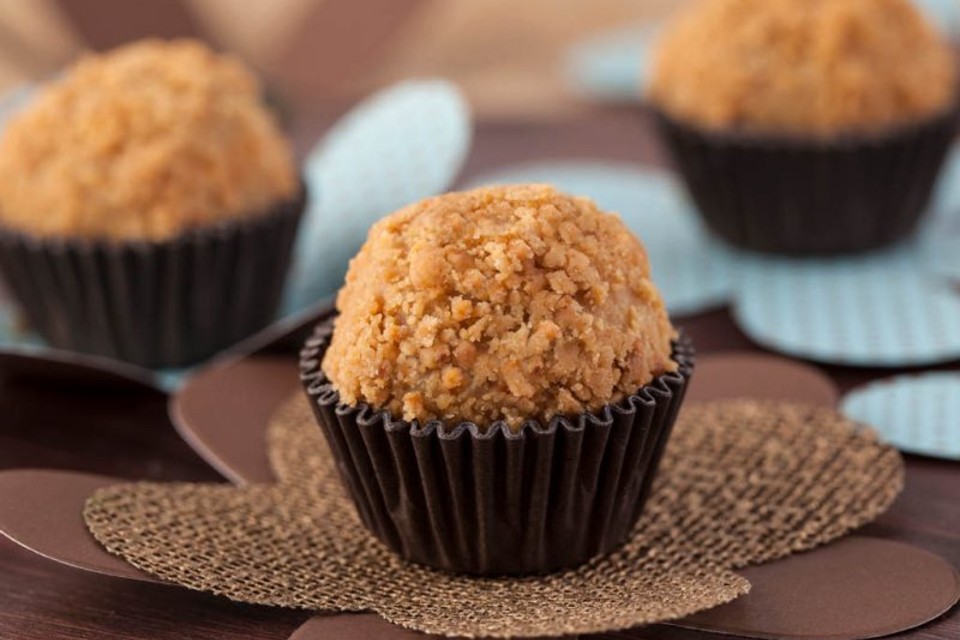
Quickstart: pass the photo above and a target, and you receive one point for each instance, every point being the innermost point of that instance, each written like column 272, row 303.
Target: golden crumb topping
column 507, row 303
column 143, row 142
column 803, row 66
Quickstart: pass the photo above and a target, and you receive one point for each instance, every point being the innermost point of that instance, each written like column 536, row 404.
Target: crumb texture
column 143, row 142
column 506, row 303
column 803, row 66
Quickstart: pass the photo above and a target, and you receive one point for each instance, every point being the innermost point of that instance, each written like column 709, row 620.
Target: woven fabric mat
column 742, row 483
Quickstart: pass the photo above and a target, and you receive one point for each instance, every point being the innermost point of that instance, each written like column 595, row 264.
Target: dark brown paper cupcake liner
column 155, row 304
column 498, row 502
column 811, row 197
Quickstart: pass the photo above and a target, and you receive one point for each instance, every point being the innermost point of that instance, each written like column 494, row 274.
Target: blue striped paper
column 917, row 413
column 879, row 311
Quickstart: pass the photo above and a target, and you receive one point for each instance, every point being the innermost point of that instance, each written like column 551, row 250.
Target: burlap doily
column 742, row 482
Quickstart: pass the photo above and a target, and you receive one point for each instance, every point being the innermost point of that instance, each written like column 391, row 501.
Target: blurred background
column 316, row 54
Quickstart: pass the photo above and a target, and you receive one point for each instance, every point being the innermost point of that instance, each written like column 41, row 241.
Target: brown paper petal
column 41, row 511
column 54, row 367
column 353, row 627
column 743, row 482
column 854, row 588
column 223, row 413
column 733, row 375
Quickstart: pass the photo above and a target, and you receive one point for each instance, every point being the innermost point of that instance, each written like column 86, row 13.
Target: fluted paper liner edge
column 155, row 304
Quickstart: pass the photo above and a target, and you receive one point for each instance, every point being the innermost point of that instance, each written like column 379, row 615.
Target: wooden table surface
column 125, row 432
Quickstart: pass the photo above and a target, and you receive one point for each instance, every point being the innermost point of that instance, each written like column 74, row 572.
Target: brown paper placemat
column 743, row 482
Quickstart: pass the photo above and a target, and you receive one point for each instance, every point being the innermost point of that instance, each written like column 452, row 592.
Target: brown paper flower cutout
column 743, row 482
column 855, row 588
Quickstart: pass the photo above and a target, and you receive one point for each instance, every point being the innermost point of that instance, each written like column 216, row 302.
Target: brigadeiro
column 500, row 381
column 806, row 127
column 148, row 205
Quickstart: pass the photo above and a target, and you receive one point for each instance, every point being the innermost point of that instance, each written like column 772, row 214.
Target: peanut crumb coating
column 506, row 303
column 805, row 67
column 143, row 142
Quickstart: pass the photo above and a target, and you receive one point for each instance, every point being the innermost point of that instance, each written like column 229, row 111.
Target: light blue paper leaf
column 944, row 14
column 692, row 272
column 940, row 248
column 12, row 335
column 940, row 239
column 945, row 202
column 917, row 413
column 405, row 143
column 614, row 65
column 882, row 310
